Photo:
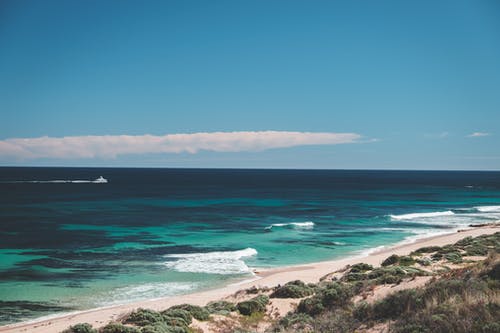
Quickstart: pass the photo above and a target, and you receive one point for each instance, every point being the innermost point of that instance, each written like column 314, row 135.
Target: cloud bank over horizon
column 111, row 146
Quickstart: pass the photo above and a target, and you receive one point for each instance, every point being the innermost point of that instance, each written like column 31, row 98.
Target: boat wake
column 99, row 180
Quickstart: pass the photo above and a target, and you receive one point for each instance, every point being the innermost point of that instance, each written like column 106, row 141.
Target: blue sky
column 411, row 82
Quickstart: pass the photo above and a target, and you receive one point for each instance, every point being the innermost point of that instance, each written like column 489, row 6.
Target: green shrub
column 178, row 313
column 464, row 241
column 296, row 321
column 312, row 306
column 335, row 294
column 143, row 317
column 118, row 328
column 394, row 271
column 197, row 312
column 362, row 311
column 293, row 289
column 175, row 321
column 360, row 268
column 395, row 304
column 476, row 250
column 254, row 305
column 437, row 256
column 330, row 295
column 391, row 260
column 220, row 307
column 388, row 279
column 354, row 276
column 406, row 261
column 424, row 261
column 80, row 328
column 453, row 257
column 457, row 317
column 426, row 249
column 338, row 321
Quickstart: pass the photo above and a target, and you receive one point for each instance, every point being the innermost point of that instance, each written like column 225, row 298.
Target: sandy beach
column 263, row 278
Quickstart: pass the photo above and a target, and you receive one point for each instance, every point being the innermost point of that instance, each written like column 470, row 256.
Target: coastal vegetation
column 453, row 288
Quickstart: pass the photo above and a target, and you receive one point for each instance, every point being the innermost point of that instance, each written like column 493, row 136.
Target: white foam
column 146, row 291
column 222, row 262
column 412, row 216
column 296, row 225
column 488, row 208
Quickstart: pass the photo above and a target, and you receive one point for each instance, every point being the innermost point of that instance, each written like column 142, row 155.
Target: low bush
column 338, row 321
column 297, row 321
column 293, row 289
column 424, row 261
column 254, row 305
column 312, row 306
column 394, row 271
column 406, row 261
column 464, row 241
column 143, row 317
column 220, row 307
column 453, row 257
column 330, row 295
column 391, row 260
column 360, row 268
column 426, row 249
column 177, row 313
column 197, row 312
column 395, row 304
column 457, row 317
column 476, row 250
column 118, row 328
column 81, row 328
column 354, row 276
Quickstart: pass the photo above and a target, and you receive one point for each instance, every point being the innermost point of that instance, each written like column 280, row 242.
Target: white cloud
column 477, row 134
column 110, row 146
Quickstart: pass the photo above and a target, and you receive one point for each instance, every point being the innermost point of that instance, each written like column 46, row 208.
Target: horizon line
column 243, row 168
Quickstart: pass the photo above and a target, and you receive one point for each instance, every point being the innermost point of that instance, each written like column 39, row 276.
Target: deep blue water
column 147, row 233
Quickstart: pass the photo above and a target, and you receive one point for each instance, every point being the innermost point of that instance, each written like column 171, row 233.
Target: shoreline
column 269, row 277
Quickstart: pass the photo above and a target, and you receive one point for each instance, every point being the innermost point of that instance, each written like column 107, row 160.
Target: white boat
column 100, row 180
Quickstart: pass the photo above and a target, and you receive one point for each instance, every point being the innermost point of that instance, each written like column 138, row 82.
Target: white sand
column 269, row 278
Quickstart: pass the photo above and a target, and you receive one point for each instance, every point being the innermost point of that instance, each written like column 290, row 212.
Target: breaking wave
column 145, row 291
column 450, row 219
column 412, row 216
column 220, row 262
column 488, row 208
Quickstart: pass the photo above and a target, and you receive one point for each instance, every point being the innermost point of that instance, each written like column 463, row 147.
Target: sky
column 251, row 84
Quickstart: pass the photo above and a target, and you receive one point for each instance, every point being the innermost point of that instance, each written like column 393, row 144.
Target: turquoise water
column 151, row 233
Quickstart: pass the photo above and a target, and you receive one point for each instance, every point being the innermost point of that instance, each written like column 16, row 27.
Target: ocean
column 69, row 244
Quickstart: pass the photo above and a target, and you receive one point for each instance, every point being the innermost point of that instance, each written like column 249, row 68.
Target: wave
column 451, row 220
column 488, row 208
column 295, row 225
column 145, row 291
column 221, row 262
column 412, row 216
